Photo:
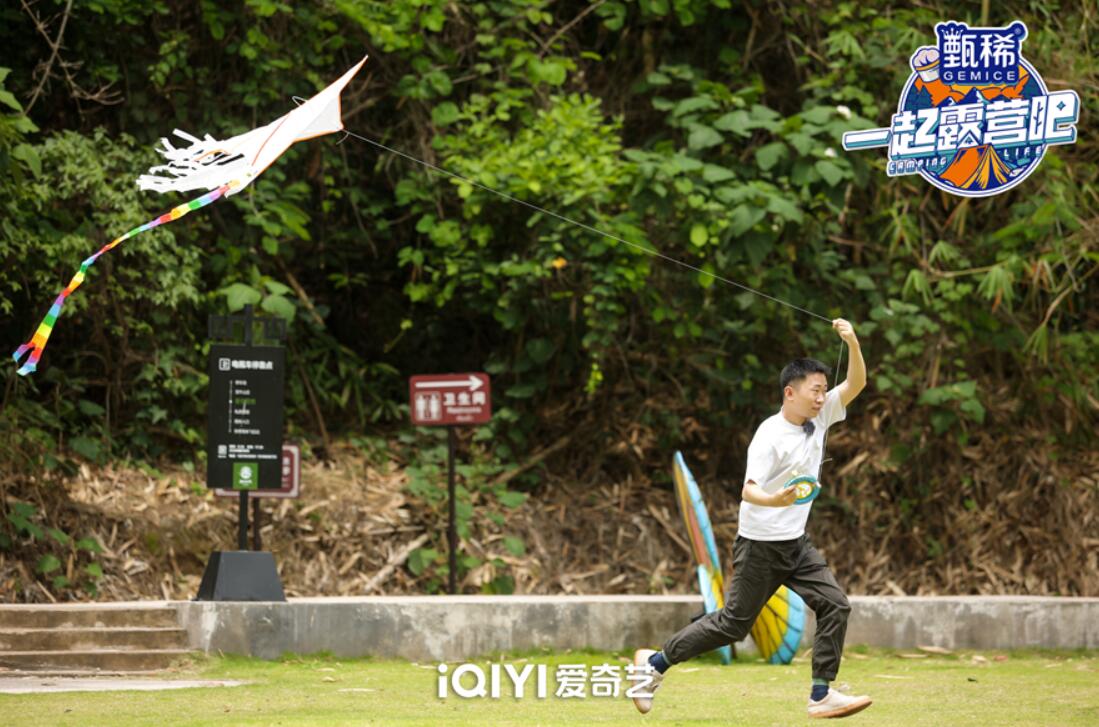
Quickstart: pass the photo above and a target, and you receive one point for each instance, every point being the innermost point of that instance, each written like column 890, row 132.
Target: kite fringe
column 205, row 164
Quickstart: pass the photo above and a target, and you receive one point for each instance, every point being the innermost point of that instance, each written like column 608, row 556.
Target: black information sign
column 244, row 422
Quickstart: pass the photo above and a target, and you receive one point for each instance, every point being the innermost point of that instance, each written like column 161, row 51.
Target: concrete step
column 75, row 673
column 92, row 615
column 91, row 639
column 102, row 659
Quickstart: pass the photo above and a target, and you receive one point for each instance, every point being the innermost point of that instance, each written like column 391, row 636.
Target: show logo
column 975, row 118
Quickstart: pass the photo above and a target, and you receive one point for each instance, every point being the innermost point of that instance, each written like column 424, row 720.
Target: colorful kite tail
column 37, row 344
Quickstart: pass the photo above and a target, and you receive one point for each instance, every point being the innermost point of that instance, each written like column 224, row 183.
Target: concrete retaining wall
column 975, row 622
column 455, row 628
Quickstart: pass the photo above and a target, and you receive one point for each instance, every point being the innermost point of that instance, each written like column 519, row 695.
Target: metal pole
column 242, row 500
column 452, row 533
column 247, row 325
column 242, row 520
column 257, row 542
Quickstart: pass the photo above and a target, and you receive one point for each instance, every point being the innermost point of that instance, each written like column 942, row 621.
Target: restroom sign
column 444, row 399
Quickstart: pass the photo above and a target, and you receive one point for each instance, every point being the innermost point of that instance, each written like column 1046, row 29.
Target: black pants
column 760, row 568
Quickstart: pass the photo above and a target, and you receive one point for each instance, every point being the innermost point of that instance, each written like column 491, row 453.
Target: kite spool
column 805, row 487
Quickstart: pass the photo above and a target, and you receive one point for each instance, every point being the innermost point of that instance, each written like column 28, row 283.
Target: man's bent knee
column 839, row 610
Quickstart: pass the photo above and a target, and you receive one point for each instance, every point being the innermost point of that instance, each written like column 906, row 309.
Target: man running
column 771, row 547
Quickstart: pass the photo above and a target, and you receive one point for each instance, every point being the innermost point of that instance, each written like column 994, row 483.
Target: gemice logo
column 975, row 118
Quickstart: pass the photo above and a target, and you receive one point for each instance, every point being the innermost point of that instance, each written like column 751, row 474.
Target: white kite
column 209, row 163
column 222, row 167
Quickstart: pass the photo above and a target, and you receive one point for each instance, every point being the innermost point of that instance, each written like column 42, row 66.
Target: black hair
column 799, row 368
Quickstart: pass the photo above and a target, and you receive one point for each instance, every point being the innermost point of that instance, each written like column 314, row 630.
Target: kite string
column 589, row 228
column 648, row 251
column 835, row 383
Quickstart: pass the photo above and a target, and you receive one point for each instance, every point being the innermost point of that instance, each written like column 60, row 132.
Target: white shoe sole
column 644, row 704
column 853, row 708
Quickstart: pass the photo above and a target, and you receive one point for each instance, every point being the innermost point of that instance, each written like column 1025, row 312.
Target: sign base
column 241, row 575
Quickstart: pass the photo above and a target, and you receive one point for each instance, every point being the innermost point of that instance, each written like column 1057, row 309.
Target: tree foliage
column 705, row 130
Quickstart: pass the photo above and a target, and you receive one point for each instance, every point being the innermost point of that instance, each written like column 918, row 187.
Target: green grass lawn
column 996, row 688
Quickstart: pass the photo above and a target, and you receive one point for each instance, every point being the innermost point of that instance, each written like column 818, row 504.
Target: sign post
column 290, row 489
column 244, row 446
column 452, row 515
column 450, row 400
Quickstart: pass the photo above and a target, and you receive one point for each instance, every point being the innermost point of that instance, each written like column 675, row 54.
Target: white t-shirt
column 781, row 450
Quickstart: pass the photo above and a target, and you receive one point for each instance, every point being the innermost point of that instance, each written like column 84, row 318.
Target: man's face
column 806, row 397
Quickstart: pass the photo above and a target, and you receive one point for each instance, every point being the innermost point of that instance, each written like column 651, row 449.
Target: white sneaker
column 837, row 704
column 641, row 658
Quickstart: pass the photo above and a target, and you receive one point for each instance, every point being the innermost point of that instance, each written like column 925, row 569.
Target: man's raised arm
column 856, row 367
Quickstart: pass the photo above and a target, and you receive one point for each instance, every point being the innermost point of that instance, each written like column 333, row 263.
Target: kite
column 778, row 628
column 701, row 534
column 223, row 168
